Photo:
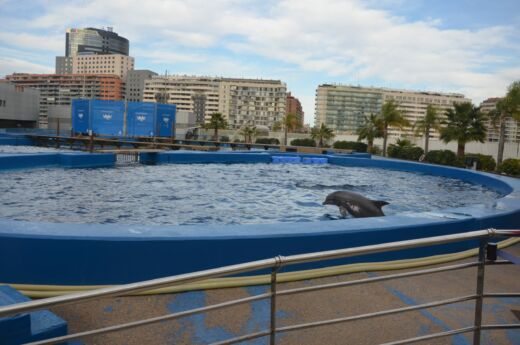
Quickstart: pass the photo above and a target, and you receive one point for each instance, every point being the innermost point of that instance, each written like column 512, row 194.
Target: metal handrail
column 275, row 264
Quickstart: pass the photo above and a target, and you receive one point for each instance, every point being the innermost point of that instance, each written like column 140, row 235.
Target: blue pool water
column 219, row 193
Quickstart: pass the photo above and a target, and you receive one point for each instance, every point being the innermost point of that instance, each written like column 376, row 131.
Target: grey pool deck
column 328, row 304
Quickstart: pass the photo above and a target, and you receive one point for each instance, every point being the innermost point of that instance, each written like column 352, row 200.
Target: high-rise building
column 241, row 101
column 60, row 89
column 116, row 64
column 344, row 108
column 293, row 106
column 134, row 84
column 493, row 133
column 89, row 41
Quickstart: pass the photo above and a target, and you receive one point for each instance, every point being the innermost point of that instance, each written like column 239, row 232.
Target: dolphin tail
column 379, row 203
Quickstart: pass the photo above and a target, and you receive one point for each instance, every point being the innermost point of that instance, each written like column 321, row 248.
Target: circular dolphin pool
column 51, row 231
column 180, row 194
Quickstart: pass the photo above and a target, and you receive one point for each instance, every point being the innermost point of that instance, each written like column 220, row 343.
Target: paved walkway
column 328, row 304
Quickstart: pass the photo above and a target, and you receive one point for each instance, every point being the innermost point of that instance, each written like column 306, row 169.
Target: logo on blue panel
column 80, row 115
column 107, row 116
column 141, row 118
column 166, row 120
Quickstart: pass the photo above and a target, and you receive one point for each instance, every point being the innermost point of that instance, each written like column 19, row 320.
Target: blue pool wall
column 92, row 254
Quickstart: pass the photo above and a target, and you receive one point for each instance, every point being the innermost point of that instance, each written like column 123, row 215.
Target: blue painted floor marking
column 456, row 339
column 195, row 325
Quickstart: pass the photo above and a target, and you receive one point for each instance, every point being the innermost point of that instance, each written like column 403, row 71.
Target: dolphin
column 355, row 204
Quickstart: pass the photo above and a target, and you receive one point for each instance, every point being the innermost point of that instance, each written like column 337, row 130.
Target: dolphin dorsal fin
column 380, row 203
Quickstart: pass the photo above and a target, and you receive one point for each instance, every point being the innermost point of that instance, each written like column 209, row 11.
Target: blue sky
column 469, row 47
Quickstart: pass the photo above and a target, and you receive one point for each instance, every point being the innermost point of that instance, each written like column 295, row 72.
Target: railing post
column 480, row 291
column 274, row 271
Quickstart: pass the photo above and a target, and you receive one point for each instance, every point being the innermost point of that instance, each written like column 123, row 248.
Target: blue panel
column 80, row 115
column 27, row 327
column 140, row 119
column 166, row 119
column 107, row 117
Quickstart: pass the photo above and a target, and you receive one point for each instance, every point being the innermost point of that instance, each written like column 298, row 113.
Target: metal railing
column 275, row 264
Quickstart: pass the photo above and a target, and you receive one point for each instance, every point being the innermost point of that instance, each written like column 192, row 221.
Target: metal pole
column 274, row 271
column 58, row 133
column 480, row 291
column 91, row 148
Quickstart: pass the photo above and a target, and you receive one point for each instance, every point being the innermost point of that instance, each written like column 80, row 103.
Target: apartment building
column 254, row 101
column 493, row 134
column 293, row 106
column 344, row 107
column 257, row 102
column 60, row 89
column 134, row 84
column 180, row 90
column 116, row 64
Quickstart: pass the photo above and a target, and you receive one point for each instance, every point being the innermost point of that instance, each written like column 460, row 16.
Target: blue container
column 140, row 119
column 107, row 117
column 165, row 120
column 80, row 115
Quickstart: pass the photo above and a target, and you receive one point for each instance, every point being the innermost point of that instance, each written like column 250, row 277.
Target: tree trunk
column 215, row 136
column 501, row 141
column 370, row 146
column 385, row 137
column 460, row 149
column 426, row 140
column 320, row 144
column 285, row 138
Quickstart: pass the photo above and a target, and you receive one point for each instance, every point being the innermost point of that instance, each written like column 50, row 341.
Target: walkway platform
column 321, row 305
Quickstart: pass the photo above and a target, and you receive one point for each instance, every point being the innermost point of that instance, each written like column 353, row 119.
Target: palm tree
column 507, row 107
column 289, row 124
column 430, row 121
column 322, row 133
column 372, row 128
column 391, row 115
column 248, row 132
column 216, row 122
column 464, row 123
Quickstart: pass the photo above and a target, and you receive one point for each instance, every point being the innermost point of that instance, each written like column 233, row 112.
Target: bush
column 376, row 150
column 224, row 138
column 510, row 166
column 268, row 141
column 350, row 145
column 443, row 157
column 304, row 142
column 484, row 162
column 404, row 149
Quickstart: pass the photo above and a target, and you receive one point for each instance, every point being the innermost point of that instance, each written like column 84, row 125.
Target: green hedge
column 268, row 141
column 510, row 166
column 484, row 162
column 350, row 145
column 405, row 152
column 444, row 157
column 304, row 142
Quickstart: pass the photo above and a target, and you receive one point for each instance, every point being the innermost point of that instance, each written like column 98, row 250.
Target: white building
column 255, row 101
column 343, row 107
column 117, row 64
column 512, row 126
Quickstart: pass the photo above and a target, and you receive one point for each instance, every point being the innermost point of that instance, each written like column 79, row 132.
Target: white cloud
column 11, row 65
column 338, row 39
column 32, row 42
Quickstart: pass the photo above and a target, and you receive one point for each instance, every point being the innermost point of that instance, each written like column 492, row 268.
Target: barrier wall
column 90, row 254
